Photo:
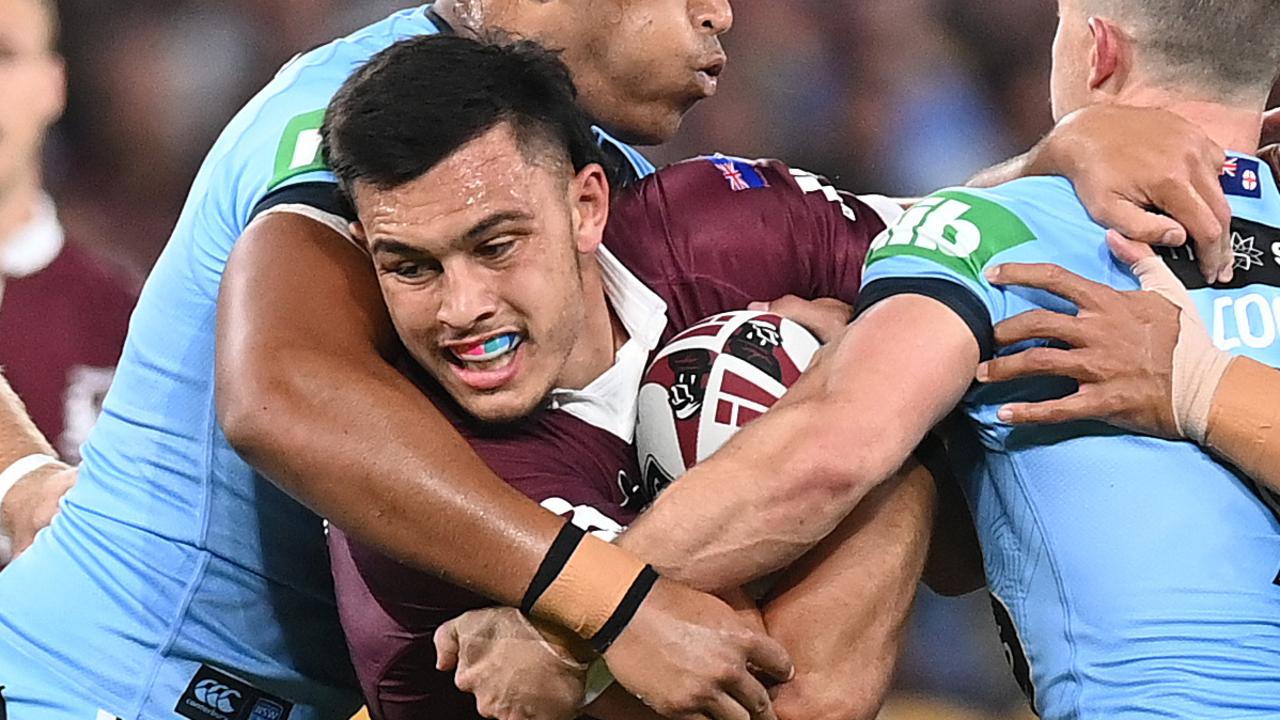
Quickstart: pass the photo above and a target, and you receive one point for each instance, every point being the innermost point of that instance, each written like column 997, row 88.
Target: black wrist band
column 561, row 550
column 626, row 610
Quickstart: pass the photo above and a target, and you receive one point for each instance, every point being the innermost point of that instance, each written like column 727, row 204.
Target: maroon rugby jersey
column 707, row 236
column 62, row 327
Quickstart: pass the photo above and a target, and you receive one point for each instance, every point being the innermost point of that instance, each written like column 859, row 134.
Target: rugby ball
column 709, row 382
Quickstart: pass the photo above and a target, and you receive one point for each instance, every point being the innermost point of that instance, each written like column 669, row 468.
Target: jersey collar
column 609, row 402
column 35, row 245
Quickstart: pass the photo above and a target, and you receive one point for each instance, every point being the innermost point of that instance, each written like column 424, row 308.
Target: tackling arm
column 788, row 479
column 306, row 394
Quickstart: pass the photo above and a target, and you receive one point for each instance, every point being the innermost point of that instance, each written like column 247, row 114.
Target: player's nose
column 466, row 302
column 712, row 16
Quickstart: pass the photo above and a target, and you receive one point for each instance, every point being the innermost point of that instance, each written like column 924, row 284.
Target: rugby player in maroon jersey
column 340, row 352
column 530, row 324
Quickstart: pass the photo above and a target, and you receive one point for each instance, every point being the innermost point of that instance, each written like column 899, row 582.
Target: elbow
column 249, row 405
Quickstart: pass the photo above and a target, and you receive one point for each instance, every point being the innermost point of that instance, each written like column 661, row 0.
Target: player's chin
column 652, row 123
column 501, row 407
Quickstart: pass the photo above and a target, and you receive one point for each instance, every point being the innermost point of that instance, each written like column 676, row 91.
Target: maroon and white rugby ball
column 709, row 382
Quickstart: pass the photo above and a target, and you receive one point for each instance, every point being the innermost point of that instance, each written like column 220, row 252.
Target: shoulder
column 966, row 228
column 275, row 139
column 1036, row 199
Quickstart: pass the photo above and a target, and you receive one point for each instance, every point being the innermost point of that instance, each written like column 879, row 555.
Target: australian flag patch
column 1242, row 176
column 740, row 174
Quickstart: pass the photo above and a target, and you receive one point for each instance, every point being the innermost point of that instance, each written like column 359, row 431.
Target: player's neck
column 1232, row 127
column 603, row 334
column 18, row 199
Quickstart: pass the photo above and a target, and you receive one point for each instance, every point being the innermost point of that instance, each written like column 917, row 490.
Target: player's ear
column 589, row 198
column 1110, row 58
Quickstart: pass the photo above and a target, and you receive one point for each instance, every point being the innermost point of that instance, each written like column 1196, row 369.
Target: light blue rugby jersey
column 1140, row 574
column 172, row 554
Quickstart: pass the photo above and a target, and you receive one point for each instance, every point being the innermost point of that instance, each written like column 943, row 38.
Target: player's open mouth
column 489, row 354
column 487, row 364
column 707, row 76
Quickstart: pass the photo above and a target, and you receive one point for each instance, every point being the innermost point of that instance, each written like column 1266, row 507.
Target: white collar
column 609, row 402
column 35, row 245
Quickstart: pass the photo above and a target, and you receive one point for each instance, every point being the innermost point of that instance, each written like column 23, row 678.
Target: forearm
column 362, row 447
column 1244, row 422
column 788, row 479
column 726, row 523
column 1006, row 171
column 842, row 609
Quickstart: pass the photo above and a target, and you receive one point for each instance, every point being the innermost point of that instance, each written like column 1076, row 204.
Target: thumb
column 1127, row 251
column 446, row 640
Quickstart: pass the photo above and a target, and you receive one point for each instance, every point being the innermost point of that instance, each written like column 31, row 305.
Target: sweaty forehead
column 487, row 175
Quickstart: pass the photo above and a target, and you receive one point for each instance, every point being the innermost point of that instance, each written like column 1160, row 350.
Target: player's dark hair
column 1222, row 47
column 420, row 100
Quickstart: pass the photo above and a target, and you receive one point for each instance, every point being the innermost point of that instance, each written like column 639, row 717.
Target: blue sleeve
column 940, row 249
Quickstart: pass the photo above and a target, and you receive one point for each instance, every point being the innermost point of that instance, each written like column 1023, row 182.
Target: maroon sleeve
column 743, row 231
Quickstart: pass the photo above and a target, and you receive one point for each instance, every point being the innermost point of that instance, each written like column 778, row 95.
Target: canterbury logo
column 216, row 695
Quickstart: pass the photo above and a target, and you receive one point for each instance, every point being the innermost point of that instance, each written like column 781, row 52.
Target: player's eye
column 496, row 249
column 413, row 270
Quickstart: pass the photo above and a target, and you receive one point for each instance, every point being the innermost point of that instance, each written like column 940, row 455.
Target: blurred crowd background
column 893, row 96
column 899, row 96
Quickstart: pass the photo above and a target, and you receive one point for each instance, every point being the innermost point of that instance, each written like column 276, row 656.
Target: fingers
column 1052, row 278
column 1080, row 406
column 446, row 641
column 1152, row 272
column 767, row 658
column 724, row 707
column 1041, row 325
column 1126, row 250
column 1036, row 362
column 1209, row 187
column 1140, row 224
column 754, row 697
column 824, row 317
column 1202, row 208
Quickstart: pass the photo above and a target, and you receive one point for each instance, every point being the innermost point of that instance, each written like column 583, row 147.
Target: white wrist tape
column 11, row 476
column 1198, row 366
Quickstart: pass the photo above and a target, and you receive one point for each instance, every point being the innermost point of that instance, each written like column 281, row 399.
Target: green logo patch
column 955, row 229
column 299, row 151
